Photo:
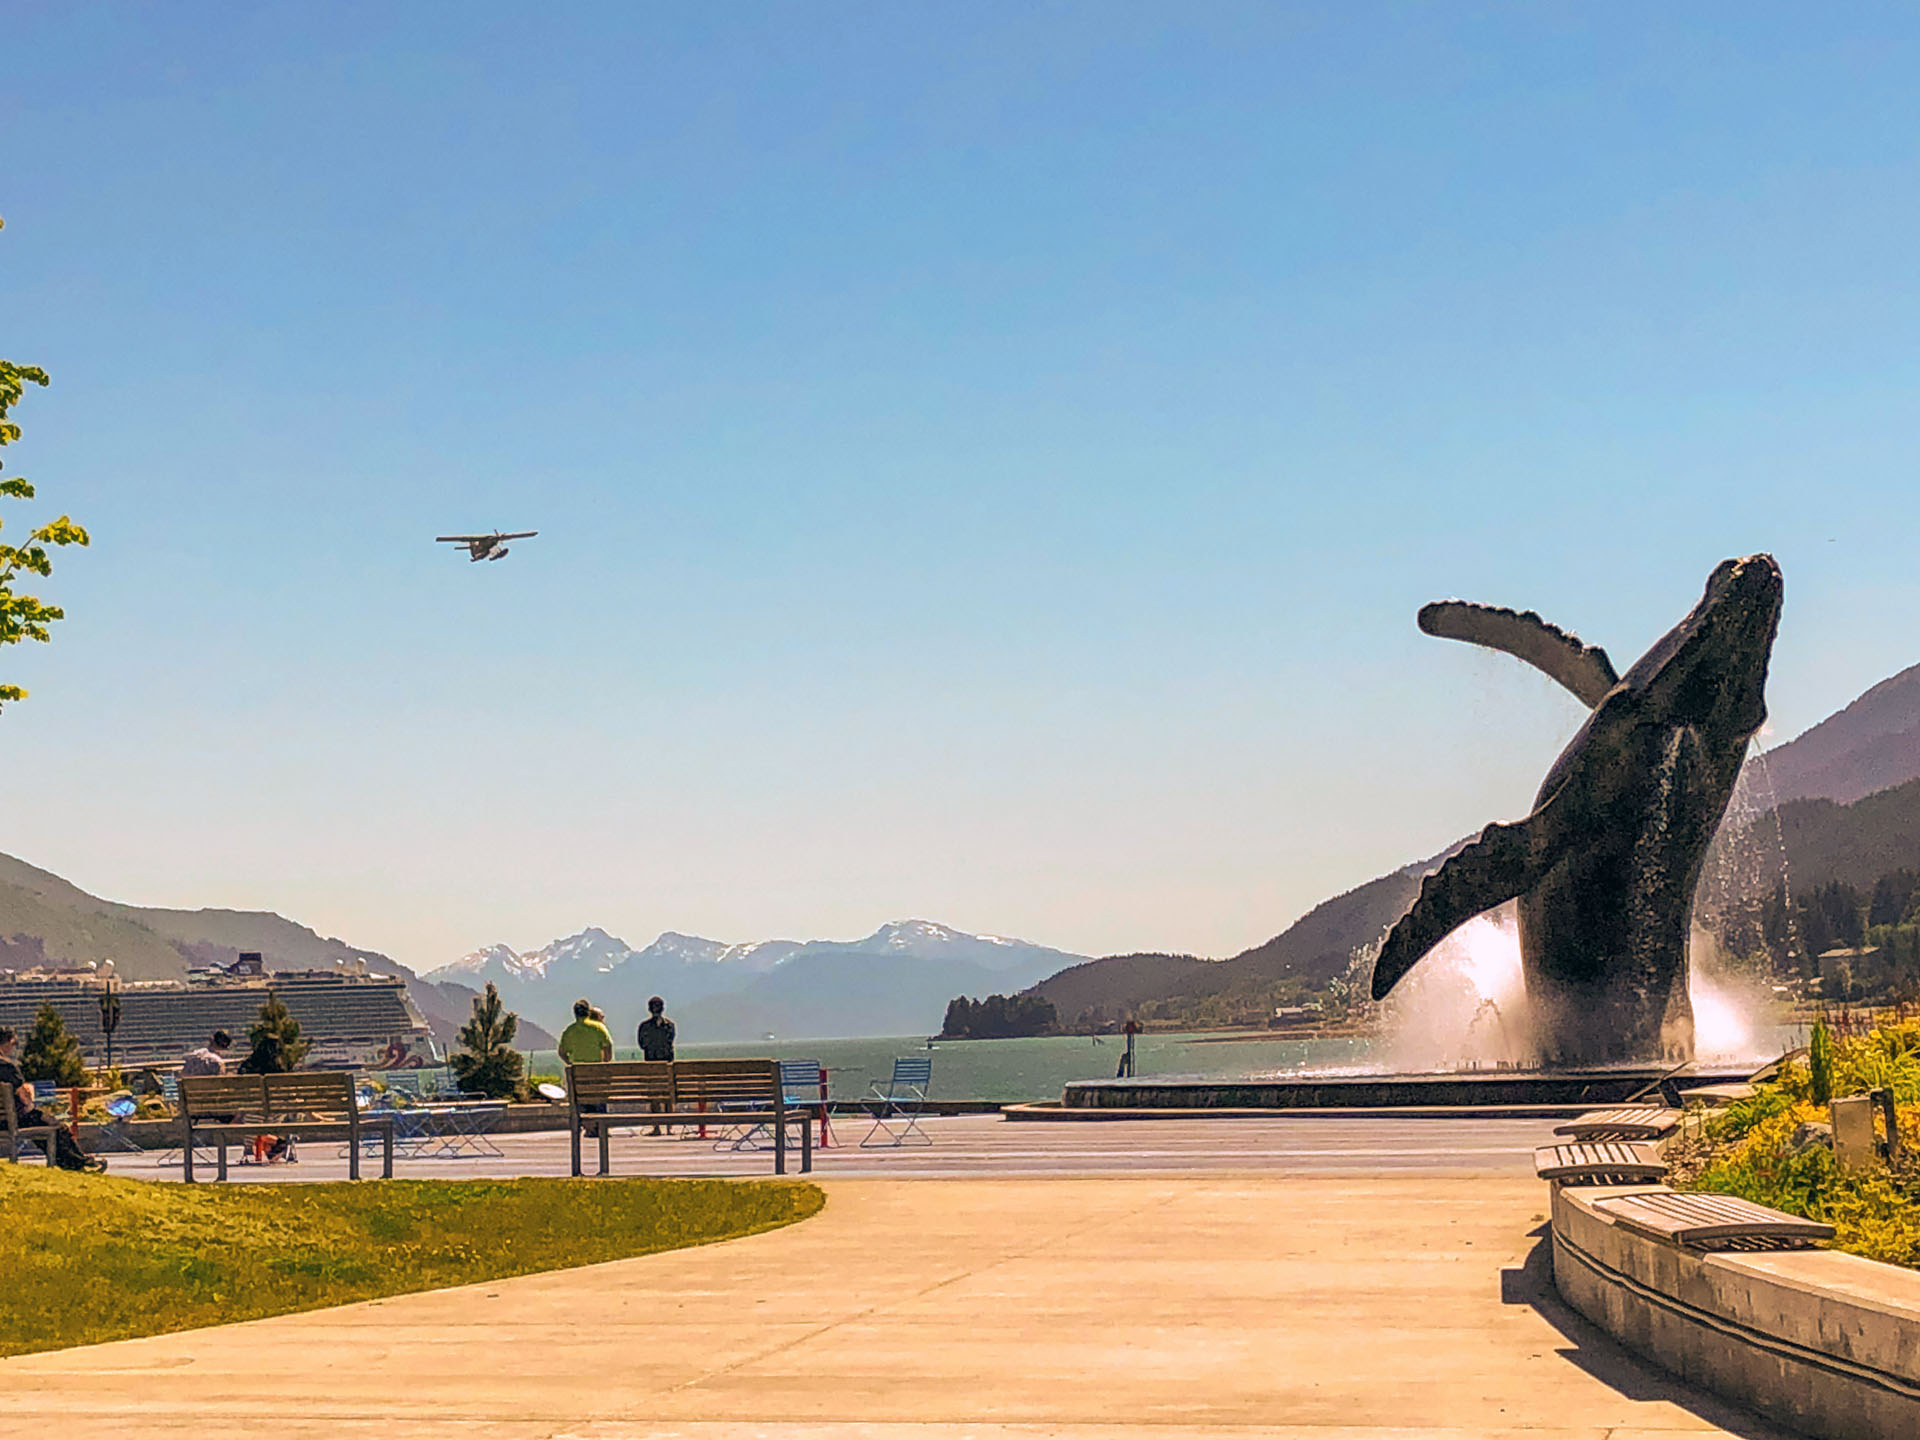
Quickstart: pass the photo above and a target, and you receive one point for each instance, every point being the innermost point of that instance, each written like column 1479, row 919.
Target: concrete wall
column 1825, row 1342
column 1469, row 1088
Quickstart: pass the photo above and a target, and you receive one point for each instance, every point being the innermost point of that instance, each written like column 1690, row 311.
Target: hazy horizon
column 987, row 461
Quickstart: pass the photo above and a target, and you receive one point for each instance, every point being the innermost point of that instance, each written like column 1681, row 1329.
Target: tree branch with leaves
column 26, row 617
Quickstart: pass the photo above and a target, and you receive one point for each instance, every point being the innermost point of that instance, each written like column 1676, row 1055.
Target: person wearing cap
column 586, row 1041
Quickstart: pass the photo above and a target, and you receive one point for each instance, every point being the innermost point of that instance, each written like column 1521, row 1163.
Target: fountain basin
column 1614, row 1085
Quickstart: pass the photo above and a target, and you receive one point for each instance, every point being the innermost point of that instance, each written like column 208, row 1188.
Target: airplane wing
column 519, row 535
column 459, row 539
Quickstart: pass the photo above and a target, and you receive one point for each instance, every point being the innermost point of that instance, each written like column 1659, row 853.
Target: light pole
column 110, row 1014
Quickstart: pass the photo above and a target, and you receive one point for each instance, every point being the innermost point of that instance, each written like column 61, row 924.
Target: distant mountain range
column 1845, row 797
column 45, row 920
column 896, row 981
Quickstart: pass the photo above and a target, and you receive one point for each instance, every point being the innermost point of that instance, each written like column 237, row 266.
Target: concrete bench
column 221, row 1108
column 605, row 1094
column 1625, row 1122
column 1600, row 1162
column 1706, row 1222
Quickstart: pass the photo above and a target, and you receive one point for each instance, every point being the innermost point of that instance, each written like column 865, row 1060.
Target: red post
column 826, row 1133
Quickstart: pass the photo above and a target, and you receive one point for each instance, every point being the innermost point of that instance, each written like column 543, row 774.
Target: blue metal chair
column 802, row 1086
column 904, row 1098
column 114, row 1139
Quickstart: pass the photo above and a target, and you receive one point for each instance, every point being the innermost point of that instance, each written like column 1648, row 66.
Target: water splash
column 1464, row 1007
column 1730, row 1006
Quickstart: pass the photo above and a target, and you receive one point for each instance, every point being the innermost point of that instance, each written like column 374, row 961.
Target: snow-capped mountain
column 894, row 981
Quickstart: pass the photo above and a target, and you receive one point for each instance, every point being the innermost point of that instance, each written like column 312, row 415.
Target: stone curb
column 1825, row 1342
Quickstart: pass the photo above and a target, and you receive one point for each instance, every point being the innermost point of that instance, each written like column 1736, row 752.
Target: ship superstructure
column 353, row 1018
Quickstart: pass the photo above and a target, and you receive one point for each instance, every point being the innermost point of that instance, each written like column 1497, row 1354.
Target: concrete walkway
column 1166, row 1306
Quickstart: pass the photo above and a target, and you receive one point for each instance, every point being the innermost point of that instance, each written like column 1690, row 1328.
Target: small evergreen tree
column 1820, row 1063
column 278, row 1045
column 51, row 1052
column 486, row 1063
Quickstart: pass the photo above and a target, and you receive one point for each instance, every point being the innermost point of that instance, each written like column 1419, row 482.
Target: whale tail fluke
column 1583, row 669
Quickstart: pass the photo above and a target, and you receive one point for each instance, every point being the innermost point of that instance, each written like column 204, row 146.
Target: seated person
column 209, row 1059
column 66, row 1151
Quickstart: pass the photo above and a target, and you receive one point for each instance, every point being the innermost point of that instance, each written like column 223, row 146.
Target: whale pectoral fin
column 1489, row 872
column 1583, row 669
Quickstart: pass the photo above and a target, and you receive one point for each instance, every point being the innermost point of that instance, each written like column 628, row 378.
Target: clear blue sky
column 987, row 457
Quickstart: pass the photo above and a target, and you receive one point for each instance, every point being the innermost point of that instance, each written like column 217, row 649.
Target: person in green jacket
column 586, row 1040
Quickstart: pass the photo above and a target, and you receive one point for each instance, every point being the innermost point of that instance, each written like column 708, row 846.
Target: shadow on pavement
column 1604, row 1358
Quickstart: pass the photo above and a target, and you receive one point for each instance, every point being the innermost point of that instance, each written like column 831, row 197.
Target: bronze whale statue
column 1605, row 866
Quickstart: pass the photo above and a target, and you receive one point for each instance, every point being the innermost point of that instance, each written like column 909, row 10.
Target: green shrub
column 51, row 1052
column 1820, row 1062
column 278, row 1045
column 1756, row 1155
column 486, row 1063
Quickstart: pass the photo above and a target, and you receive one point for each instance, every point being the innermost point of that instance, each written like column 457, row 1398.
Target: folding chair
column 903, row 1098
column 170, row 1092
column 802, row 1087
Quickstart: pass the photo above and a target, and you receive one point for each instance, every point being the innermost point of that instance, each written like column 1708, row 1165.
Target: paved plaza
column 1333, row 1278
column 968, row 1145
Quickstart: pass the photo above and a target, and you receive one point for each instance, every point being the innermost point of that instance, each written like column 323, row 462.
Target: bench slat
column 318, row 1090
column 1599, row 1159
column 222, row 1094
column 1626, row 1122
column 1701, row 1219
column 616, row 1080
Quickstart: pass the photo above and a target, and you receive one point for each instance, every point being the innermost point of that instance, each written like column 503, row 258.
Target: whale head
column 1710, row 671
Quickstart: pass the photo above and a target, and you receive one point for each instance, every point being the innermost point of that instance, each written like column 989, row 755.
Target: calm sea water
column 1033, row 1069
column 1038, row 1068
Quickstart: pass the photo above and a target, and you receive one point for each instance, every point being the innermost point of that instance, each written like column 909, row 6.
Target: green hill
column 1855, row 843
column 45, row 920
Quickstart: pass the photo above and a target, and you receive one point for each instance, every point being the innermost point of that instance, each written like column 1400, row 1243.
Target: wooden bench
column 1625, row 1122
column 1600, row 1162
column 1707, row 1222
column 221, row 1108
column 605, row 1094
column 16, row 1132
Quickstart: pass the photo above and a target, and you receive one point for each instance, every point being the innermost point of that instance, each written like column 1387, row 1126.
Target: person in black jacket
column 656, row 1032
column 67, row 1153
column 656, row 1036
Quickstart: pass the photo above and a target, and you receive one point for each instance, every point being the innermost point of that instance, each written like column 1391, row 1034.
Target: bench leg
column 353, row 1152
column 780, row 1145
column 186, row 1156
column 386, row 1162
column 606, row 1133
column 221, row 1171
column 574, row 1136
column 806, row 1145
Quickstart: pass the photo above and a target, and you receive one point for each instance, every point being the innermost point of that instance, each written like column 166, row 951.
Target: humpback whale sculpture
column 1605, row 866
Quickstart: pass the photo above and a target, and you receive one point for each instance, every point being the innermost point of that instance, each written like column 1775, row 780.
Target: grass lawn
column 86, row 1258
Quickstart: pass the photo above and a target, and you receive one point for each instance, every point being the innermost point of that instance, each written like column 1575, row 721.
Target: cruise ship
column 355, row 1020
